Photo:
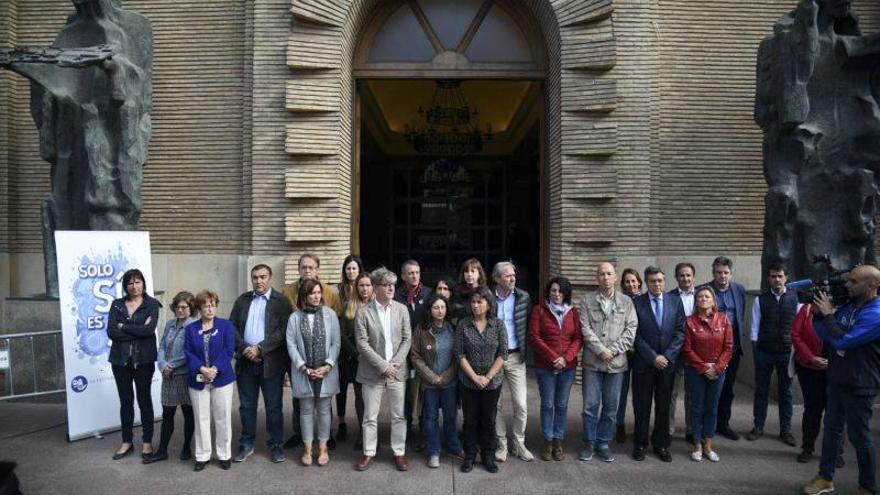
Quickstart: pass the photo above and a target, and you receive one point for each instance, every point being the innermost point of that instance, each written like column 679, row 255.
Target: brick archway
column 581, row 135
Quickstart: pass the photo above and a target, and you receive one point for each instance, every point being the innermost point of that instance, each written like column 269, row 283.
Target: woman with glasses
column 172, row 364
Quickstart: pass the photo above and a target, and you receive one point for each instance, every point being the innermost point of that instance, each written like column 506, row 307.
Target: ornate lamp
column 449, row 126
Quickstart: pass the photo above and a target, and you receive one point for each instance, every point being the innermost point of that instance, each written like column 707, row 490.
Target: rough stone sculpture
column 818, row 83
column 91, row 101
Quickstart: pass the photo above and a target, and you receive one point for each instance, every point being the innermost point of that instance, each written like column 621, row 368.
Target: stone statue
column 818, row 83
column 91, row 101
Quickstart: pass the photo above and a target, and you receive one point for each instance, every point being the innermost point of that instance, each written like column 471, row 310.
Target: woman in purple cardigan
column 209, row 348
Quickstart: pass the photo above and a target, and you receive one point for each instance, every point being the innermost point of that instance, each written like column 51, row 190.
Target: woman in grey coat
column 313, row 341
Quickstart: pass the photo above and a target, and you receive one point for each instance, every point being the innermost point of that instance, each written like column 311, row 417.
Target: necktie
column 658, row 310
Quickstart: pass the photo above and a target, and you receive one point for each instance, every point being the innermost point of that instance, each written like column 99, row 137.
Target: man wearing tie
column 658, row 343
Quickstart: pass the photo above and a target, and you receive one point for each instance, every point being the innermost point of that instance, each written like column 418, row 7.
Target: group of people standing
column 426, row 350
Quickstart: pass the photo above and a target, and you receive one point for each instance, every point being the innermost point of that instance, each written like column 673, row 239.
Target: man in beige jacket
column 383, row 336
column 609, row 326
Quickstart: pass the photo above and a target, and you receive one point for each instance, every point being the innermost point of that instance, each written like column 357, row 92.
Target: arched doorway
column 449, row 158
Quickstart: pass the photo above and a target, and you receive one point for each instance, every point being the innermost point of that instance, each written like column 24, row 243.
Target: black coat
column 274, row 344
column 136, row 340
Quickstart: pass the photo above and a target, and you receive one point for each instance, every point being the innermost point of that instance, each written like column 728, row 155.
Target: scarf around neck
column 559, row 311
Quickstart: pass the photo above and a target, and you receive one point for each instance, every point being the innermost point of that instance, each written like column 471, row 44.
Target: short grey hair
column 383, row 276
column 501, row 265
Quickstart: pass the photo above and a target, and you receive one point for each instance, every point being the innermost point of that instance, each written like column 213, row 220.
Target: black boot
column 341, row 432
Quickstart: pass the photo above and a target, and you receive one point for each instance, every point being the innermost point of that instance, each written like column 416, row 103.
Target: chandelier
column 449, row 126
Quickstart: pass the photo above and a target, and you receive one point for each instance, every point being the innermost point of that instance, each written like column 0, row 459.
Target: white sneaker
column 696, row 456
column 434, row 461
column 712, row 456
column 501, row 453
column 523, row 453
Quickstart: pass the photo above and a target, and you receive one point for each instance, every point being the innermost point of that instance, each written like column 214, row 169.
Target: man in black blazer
column 658, row 344
column 260, row 319
column 731, row 298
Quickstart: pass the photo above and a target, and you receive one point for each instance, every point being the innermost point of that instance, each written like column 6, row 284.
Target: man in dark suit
column 260, row 319
column 731, row 298
column 658, row 344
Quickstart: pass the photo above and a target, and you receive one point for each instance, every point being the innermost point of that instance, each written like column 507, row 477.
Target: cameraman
column 853, row 332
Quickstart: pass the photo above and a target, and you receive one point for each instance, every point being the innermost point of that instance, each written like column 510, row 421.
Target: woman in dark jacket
column 364, row 287
column 352, row 268
column 172, row 364
column 210, row 346
column 131, row 326
column 631, row 285
column 432, row 357
column 555, row 335
column 446, row 288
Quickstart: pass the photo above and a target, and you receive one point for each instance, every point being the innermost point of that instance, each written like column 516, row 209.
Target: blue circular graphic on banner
column 96, row 286
column 79, row 384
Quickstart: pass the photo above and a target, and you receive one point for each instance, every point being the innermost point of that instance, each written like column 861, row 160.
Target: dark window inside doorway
column 441, row 210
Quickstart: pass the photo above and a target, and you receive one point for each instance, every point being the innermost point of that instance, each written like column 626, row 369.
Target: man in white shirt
column 773, row 315
column 383, row 336
column 514, row 307
column 685, row 275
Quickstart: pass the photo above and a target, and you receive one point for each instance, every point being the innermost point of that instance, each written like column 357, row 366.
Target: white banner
column 90, row 268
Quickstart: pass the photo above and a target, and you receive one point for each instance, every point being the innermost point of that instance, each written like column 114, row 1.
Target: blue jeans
column 555, row 388
column 600, row 389
column 765, row 363
column 250, row 382
column 433, row 399
column 704, row 395
column 853, row 411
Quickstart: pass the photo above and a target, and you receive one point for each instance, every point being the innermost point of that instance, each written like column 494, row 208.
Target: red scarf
column 411, row 294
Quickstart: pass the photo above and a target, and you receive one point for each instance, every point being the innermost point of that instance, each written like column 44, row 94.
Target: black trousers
column 479, row 419
column 652, row 386
column 813, row 383
column 128, row 378
column 347, row 372
column 725, row 403
column 167, row 431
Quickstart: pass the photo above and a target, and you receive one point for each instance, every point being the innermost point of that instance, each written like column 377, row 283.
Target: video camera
column 834, row 284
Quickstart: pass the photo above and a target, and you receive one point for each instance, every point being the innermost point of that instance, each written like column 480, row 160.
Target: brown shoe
column 364, row 463
column 402, row 463
column 547, row 451
column 557, row 452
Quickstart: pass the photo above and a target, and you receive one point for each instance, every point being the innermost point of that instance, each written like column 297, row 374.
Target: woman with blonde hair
column 708, row 348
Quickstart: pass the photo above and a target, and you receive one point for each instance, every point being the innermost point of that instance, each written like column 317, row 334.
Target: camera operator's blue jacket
column 856, row 333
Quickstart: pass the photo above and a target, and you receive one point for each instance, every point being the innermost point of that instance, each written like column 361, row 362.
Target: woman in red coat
column 555, row 335
column 708, row 348
column 811, row 364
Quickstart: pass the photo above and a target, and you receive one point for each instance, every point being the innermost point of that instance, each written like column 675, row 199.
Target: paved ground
column 33, row 435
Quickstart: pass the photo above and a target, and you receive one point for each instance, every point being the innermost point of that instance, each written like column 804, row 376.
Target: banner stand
column 90, row 269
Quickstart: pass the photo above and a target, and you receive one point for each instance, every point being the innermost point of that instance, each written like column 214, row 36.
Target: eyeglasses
column 209, row 306
column 181, row 308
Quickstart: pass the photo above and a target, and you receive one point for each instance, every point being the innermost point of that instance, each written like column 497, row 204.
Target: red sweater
column 804, row 338
column 708, row 341
column 550, row 341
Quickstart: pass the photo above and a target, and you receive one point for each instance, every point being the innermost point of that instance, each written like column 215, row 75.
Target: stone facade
column 651, row 152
